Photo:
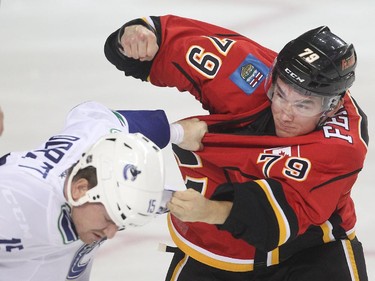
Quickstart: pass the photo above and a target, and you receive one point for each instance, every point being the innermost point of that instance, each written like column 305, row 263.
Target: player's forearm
column 220, row 211
column 192, row 206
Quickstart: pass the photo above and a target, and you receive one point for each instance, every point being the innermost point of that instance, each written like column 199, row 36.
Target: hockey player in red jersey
column 268, row 197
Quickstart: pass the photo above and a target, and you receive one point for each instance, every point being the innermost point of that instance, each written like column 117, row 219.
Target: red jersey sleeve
column 224, row 70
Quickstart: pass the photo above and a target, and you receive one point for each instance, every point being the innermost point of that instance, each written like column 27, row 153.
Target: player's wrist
column 177, row 133
column 219, row 211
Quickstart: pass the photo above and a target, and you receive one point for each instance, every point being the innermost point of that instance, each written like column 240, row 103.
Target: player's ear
column 79, row 188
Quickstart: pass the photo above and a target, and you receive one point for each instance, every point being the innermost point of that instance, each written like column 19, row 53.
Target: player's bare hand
column 191, row 206
column 1, row 122
column 138, row 42
column 194, row 131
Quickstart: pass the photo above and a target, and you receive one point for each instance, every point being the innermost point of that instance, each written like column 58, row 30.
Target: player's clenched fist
column 194, row 131
column 138, row 42
column 191, row 206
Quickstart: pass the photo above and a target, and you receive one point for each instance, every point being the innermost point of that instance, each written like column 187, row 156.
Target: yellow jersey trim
column 206, row 257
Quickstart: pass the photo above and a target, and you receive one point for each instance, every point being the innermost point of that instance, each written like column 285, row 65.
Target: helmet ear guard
column 130, row 178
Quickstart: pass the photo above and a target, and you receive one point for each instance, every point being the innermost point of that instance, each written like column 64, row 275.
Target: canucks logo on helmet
column 130, row 172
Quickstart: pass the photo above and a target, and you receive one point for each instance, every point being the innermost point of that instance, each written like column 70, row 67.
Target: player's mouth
column 284, row 127
column 97, row 237
column 283, row 130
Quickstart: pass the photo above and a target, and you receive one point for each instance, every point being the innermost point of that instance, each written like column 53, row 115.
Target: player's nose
column 287, row 112
column 111, row 230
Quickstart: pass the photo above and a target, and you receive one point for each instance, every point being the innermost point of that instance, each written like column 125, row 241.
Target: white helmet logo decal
column 130, row 172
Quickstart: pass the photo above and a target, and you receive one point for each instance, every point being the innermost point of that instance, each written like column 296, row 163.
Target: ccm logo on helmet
column 130, row 172
column 294, row 76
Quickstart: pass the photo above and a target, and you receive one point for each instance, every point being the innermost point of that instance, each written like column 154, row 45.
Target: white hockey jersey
column 37, row 237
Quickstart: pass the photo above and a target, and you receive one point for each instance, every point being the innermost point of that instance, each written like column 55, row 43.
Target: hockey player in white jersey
column 59, row 202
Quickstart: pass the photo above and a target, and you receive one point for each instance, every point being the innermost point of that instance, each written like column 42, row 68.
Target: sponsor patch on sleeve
column 249, row 74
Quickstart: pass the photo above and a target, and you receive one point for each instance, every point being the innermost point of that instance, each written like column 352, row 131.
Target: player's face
column 294, row 114
column 92, row 222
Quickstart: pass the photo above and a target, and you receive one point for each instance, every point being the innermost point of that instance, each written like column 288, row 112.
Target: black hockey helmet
column 318, row 61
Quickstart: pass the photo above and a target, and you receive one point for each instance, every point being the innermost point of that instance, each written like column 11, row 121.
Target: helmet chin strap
column 334, row 102
column 322, row 119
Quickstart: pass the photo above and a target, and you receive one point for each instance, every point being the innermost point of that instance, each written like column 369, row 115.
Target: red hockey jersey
column 288, row 193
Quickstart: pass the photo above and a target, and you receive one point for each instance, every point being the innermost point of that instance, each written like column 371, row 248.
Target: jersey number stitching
column 296, row 168
column 207, row 63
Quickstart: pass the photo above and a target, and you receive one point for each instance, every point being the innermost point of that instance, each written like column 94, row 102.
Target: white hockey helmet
column 130, row 178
